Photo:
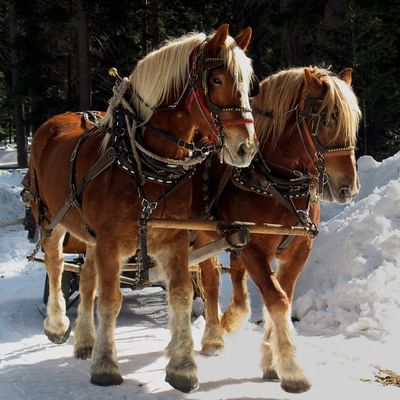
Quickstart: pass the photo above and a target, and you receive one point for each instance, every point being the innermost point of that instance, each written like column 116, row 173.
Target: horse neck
column 176, row 124
column 289, row 153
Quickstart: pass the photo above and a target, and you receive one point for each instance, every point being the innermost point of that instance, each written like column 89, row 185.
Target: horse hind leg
column 57, row 326
column 239, row 307
column 84, row 335
column 213, row 340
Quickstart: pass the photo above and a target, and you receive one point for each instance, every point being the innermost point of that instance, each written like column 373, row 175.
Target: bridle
column 308, row 123
column 197, row 91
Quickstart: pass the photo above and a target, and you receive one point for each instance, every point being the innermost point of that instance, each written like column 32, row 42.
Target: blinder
column 315, row 117
column 312, row 119
column 208, row 65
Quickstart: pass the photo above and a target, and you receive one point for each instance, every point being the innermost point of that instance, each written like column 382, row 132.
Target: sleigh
column 233, row 237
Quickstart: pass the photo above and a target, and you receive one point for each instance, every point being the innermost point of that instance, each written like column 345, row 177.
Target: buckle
column 149, row 206
column 207, row 149
column 181, row 143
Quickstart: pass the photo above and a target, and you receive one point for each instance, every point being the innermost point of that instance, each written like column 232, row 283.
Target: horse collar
column 259, row 178
column 137, row 163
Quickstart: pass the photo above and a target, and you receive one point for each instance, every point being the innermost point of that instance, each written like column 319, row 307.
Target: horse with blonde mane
column 306, row 121
column 101, row 181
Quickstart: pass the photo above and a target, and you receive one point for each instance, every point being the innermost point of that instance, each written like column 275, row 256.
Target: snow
column 347, row 302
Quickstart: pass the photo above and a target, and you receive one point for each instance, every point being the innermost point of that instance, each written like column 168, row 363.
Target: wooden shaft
column 10, row 222
column 268, row 229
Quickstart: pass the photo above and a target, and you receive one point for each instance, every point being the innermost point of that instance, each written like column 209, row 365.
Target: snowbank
column 351, row 283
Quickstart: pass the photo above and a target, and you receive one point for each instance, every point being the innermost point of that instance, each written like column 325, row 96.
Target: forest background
column 54, row 55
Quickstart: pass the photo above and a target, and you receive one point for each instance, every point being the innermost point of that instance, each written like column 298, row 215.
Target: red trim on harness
column 239, row 121
column 197, row 93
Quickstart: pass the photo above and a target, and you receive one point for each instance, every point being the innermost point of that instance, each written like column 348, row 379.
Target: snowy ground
column 347, row 300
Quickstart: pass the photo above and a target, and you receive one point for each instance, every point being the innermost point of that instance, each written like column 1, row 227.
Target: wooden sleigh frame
column 234, row 236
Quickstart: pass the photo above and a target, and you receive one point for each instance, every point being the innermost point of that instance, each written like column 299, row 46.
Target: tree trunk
column 151, row 26
column 22, row 157
column 154, row 30
column 292, row 53
column 83, row 46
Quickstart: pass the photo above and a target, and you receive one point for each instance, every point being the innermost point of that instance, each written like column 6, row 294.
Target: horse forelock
column 282, row 91
column 238, row 65
column 341, row 101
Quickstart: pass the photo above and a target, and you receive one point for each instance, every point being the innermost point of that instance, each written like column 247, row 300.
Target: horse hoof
column 106, row 379
column 270, row 375
column 211, row 350
column 296, row 386
column 83, row 353
column 58, row 338
column 184, row 384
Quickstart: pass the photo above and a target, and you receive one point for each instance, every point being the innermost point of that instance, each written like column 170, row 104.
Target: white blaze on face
column 245, row 103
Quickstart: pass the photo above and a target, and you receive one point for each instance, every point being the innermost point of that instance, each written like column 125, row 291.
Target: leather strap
column 97, row 168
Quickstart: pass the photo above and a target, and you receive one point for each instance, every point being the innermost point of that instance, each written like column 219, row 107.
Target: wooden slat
column 269, row 229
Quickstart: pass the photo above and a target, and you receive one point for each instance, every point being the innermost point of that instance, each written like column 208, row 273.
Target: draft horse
column 182, row 102
column 306, row 122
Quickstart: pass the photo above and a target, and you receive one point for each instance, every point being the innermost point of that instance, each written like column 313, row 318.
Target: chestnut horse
column 181, row 102
column 306, row 121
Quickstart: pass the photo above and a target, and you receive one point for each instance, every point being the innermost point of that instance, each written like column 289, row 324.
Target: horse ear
column 347, row 75
column 314, row 86
column 243, row 38
column 219, row 37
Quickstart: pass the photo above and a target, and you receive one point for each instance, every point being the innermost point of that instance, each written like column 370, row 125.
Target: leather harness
column 132, row 156
column 260, row 179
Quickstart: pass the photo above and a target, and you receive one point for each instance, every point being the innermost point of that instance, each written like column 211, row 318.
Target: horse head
column 196, row 89
column 306, row 121
column 225, row 84
column 331, row 117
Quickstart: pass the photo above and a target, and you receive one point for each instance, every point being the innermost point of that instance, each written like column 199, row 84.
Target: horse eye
column 329, row 123
column 216, row 81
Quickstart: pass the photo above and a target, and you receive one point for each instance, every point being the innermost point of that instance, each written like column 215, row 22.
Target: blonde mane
column 163, row 73
column 280, row 93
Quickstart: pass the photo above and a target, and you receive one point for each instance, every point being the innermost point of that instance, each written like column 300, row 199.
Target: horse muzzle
column 343, row 194
column 239, row 155
column 240, row 145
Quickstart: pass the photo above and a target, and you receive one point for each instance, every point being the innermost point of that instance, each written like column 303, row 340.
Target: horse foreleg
column 291, row 375
column 287, row 274
column 267, row 362
column 181, row 371
column 56, row 325
column 84, row 335
column 281, row 342
column 239, row 307
column 212, row 340
column 105, row 370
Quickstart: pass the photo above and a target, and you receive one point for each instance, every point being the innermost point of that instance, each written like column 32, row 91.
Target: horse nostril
column 242, row 150
column 345, row 193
